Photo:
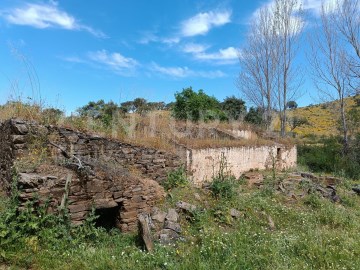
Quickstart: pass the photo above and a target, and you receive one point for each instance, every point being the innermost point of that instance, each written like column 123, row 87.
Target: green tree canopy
column 197, row 106
column 254, row 116
column 291, row 104
column 99, row 110
column 234, row 107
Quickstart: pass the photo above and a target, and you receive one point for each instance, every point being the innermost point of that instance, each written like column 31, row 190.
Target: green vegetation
column 327, row 156
column 223, row 183
column 197, row 106
column 291, row 104
column 255, row 116
column 234, row 108
column 176, row 178
column 309, row 232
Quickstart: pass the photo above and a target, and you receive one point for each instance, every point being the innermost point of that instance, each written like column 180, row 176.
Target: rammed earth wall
column 201, row 164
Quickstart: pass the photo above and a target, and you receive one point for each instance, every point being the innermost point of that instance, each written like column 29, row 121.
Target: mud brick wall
column 105, row 174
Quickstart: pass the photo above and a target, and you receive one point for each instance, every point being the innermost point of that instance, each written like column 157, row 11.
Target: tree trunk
column 344, row 127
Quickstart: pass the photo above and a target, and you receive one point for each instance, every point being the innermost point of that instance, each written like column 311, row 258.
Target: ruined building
column 83, row 172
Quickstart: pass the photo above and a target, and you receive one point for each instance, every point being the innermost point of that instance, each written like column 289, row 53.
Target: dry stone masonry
column 90, row 171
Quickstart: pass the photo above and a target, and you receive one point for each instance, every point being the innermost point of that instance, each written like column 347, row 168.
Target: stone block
column 172, row 226
column 105, row 203
column 172, row 215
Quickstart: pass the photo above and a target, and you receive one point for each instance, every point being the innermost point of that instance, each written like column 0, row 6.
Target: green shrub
column 320, row 158
column 223, row 185
column 222, row 214
column 176, row 178
column 223, row 188
column 329, row 157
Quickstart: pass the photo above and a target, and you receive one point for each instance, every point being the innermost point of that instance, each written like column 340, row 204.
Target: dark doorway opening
column 107, row 217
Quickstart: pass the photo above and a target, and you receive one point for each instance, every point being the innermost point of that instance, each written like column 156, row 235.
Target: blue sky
column 118, row 50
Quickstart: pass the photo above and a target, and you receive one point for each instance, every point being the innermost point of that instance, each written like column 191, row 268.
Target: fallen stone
column 172, row 226
column 271, row 223
column 254, row 179
column 186, row 206
column 167, row 236
column 158, row 216
column 235, row 213
column 309, row 176
column 197, row 197
column 172, row 215
column 145, row 231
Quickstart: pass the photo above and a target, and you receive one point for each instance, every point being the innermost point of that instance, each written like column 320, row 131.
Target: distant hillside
column 322, row 118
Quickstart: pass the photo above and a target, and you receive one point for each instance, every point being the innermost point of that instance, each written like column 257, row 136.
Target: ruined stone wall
column 10, row 142
column 202, row 163
column 127, row 195
column 104, row 173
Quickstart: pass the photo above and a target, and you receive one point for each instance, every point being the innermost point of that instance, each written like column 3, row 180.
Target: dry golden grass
column 156, row 129
column 22, row 111
column 224, row 143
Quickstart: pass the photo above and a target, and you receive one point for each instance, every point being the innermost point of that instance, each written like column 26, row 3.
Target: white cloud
column 229, row 53
column 184, row 72
column 223, row 56
column 170, row 41
column 115, row 61
column 149, row 37
column 46, row 16
column 202, row 23
column 194, row 48
column 73, row 59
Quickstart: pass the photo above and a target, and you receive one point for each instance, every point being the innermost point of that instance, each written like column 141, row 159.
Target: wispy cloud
column 114, row 61
column 202, row 23
column 149, row 37
column 222, row 56
column 46, row 16
column 73, row 59
column 184, row 72
column 228, row 54
column 194, row 48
